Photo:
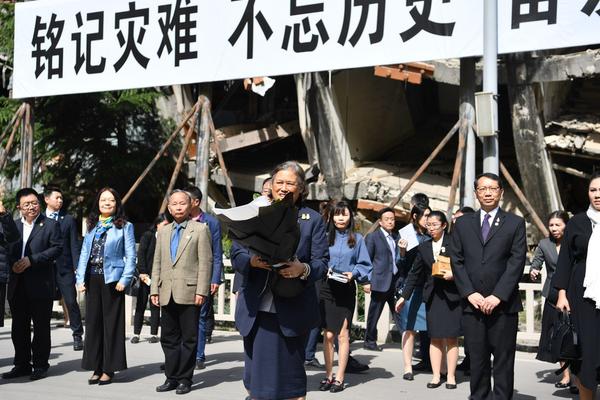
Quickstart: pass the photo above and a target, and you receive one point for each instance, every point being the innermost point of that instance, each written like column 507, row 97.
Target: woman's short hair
column 119, row 218
column 440, row 216
column 298, row 171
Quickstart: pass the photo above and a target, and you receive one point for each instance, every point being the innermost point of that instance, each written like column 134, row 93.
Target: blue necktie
column 54, row 215
column 175, row 242
column 485, row 227
column 393, row 250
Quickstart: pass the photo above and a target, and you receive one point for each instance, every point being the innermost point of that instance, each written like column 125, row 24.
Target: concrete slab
column 221, row 380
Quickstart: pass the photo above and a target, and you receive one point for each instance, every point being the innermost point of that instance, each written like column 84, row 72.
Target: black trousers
column 179, row 339
column 210, row 316
column 2, row 303
column 487, row 335
column 140, row 308
column 378, row 302
column 25, row 310
column 66, row 286
column 104, row 346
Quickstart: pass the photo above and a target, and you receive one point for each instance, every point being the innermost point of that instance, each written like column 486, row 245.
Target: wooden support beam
column 571, row 171
column 410, row 72
column 15, row 127
column 460, row 152
column 217, row 149
column 375, row 206
column 422, row 168
column 161, row 151
column 534, row 216
column 258, row 136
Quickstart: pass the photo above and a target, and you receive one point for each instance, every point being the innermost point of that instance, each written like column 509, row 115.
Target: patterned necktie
column 175, row 242
column 54, row 215
column 393, row 250
column 485, row 227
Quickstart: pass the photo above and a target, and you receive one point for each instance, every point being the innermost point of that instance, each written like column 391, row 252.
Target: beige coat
column 191, row 272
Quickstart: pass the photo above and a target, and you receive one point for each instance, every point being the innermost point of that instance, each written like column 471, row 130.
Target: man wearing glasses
column 488, row 257
column 31, row 286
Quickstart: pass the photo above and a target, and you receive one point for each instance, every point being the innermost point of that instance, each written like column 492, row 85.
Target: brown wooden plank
column 258, row 136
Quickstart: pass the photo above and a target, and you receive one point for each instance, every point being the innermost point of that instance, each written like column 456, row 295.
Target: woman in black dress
column 546, row 254
column 441, row 299
column 578, row 297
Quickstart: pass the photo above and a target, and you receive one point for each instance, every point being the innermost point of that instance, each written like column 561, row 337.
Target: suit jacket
column 180, row 281
column 490, row 267
column 69, row 257
column 42, row 248
column 420, row 274
column 217, row 247
column 119, row 255
column 382, row 259
column 296, row 315
column 546, row 254
column 8, row 234
column 145, row 256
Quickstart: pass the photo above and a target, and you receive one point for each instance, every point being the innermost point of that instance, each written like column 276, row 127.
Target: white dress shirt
column 27, row 228
column 492, row 216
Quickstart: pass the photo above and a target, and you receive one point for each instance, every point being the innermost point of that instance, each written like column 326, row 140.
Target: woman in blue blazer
column 105, row 268
column 275, row 328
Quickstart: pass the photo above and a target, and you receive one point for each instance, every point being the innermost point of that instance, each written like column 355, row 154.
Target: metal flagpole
column 490, row 80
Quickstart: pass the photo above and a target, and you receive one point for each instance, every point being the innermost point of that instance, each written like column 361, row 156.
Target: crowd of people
column 441, row 279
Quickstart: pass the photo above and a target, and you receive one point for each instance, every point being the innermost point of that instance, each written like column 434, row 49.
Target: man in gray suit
column 181, row 275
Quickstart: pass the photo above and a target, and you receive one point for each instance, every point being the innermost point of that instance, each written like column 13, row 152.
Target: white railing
column 225, row 309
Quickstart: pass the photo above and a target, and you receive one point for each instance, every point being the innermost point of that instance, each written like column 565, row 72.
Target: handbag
column 134, row 286
column 441, row 266
column 286, row 287
column 564, row 341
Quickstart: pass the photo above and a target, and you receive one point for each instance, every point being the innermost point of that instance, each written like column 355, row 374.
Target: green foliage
column 7, row 31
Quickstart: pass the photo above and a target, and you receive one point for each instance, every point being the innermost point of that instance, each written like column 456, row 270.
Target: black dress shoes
column 372, row 347
column 451, row 386
column 408, row 376
column 183, row 389
column 432, row 385
column 16, row 372
column 38, row 373
column 167, row 386
column 77, row 343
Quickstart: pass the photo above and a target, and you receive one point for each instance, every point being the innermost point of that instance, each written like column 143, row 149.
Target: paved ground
column 222, row 377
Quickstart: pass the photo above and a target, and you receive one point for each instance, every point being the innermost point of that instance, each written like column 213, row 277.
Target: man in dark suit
column 488, row 257
column 8, row 234
column 66, row 264
column 381, row 245
column 31, row 286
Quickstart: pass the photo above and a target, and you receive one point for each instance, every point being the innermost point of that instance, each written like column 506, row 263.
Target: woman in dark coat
column 145, row 258
column 546, row 254
column 275, row 328
column 441, row 299
column 577, row 262
column 9, row 233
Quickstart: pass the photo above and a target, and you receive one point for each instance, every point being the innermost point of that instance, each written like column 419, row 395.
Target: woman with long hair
column 349, row 262
column 441, row 298
column 106, row 265
column 412, row 316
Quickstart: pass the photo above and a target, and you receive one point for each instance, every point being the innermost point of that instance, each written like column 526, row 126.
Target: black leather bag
column 564, row 341
column 286, row 287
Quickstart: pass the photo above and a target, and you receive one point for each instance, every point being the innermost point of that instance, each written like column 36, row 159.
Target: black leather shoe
column 325, row 385
column 314, row 363
column 38, row 373
column 372, row 347
column 354, row 366
column 432, row 385
column 167, row 386
column 183, row 389
column 336, row 386
column 94, row 379
column 560, row 385
column 451, row 386
column 408, row 376
column 422, row 366
column 16, row 372
column 77, row 343
column 200, row 364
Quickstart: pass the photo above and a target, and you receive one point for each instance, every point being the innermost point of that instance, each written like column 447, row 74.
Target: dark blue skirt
column 274, row 364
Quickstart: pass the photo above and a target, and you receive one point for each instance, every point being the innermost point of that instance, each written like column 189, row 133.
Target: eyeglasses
column 31, row 204
column 485, row 189
column 433, row 225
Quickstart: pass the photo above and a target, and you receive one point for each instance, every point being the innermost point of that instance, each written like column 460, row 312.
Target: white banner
column 74, row 46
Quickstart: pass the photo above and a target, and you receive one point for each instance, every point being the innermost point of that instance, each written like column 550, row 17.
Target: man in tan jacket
column 181, row 275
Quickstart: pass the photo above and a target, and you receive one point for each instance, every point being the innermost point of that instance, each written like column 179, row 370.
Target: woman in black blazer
column 441, row 299
column 145, row 258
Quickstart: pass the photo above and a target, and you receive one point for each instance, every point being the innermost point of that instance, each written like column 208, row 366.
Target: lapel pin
column 305, row 216
column 188, row 237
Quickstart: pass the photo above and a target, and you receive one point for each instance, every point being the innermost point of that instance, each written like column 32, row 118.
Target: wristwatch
column 306, row 272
